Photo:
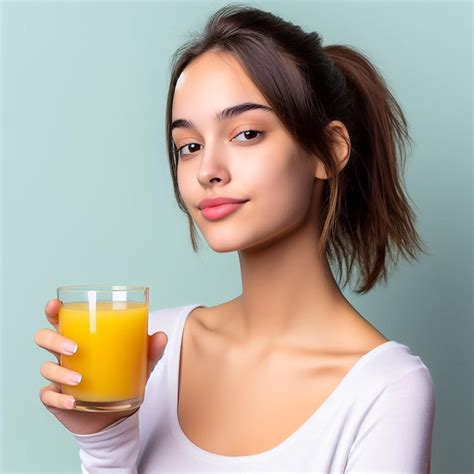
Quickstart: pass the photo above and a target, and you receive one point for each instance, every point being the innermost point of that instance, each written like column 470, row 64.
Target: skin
column 275, row 232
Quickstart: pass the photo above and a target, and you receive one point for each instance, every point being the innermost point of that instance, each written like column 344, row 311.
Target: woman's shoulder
column 168, row 319
column 393, row 364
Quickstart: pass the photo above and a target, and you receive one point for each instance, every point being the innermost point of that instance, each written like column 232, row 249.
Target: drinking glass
column 109, row 323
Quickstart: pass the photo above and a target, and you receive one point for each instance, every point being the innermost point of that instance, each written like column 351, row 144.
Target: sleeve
column 396, row 434
column 114, row 450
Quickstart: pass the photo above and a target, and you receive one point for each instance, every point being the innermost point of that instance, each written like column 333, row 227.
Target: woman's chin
column 224, row 246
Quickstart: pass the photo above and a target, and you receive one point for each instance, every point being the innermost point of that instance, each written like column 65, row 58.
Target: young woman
column 289, row 153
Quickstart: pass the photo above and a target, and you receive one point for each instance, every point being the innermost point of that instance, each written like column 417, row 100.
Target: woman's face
column 217, row 159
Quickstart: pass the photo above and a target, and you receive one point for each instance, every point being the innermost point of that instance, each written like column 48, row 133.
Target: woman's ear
column 340, row 146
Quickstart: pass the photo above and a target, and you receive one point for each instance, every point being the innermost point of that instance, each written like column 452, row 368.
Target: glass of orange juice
column 109, row 323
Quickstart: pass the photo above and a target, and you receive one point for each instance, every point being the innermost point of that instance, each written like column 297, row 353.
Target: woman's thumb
column 156, row 346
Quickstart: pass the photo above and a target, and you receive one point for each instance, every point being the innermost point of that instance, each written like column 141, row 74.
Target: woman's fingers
column 55, row 373
column 55, row 343
column 51, row 397
column 51, row 340
column 52, row 311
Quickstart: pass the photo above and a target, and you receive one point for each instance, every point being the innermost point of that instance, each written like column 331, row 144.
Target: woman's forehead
column 213, row 81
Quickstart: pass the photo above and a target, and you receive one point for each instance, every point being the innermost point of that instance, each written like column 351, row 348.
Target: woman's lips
column 216, row 212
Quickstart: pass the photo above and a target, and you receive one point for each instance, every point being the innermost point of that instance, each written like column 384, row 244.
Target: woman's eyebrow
column 224, row 114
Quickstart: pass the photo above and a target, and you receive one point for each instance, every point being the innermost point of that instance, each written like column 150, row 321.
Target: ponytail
column 373, row 216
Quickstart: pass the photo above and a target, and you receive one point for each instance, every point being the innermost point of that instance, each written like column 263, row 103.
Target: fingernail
column 74, row 378
column 70, row 402
column 69, row 347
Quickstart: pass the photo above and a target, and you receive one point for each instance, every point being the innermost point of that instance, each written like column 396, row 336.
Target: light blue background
column 87, row 195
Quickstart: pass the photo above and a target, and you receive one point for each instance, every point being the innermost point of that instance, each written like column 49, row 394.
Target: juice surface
column 112, row 349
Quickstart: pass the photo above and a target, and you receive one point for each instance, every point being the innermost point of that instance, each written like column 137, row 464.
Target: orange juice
column 112, row 339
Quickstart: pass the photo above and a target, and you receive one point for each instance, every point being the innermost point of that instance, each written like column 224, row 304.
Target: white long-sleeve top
column 378, row 419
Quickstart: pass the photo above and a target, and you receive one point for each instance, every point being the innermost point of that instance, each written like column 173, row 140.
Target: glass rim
column 95, row 288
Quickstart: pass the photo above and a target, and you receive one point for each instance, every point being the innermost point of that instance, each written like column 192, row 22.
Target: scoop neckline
column 173, row 374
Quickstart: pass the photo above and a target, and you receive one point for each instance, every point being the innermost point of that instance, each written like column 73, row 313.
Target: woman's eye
column 180, row 149
column 249, row 135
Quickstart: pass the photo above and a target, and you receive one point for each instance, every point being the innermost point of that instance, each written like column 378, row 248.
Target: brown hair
column 365, row 211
